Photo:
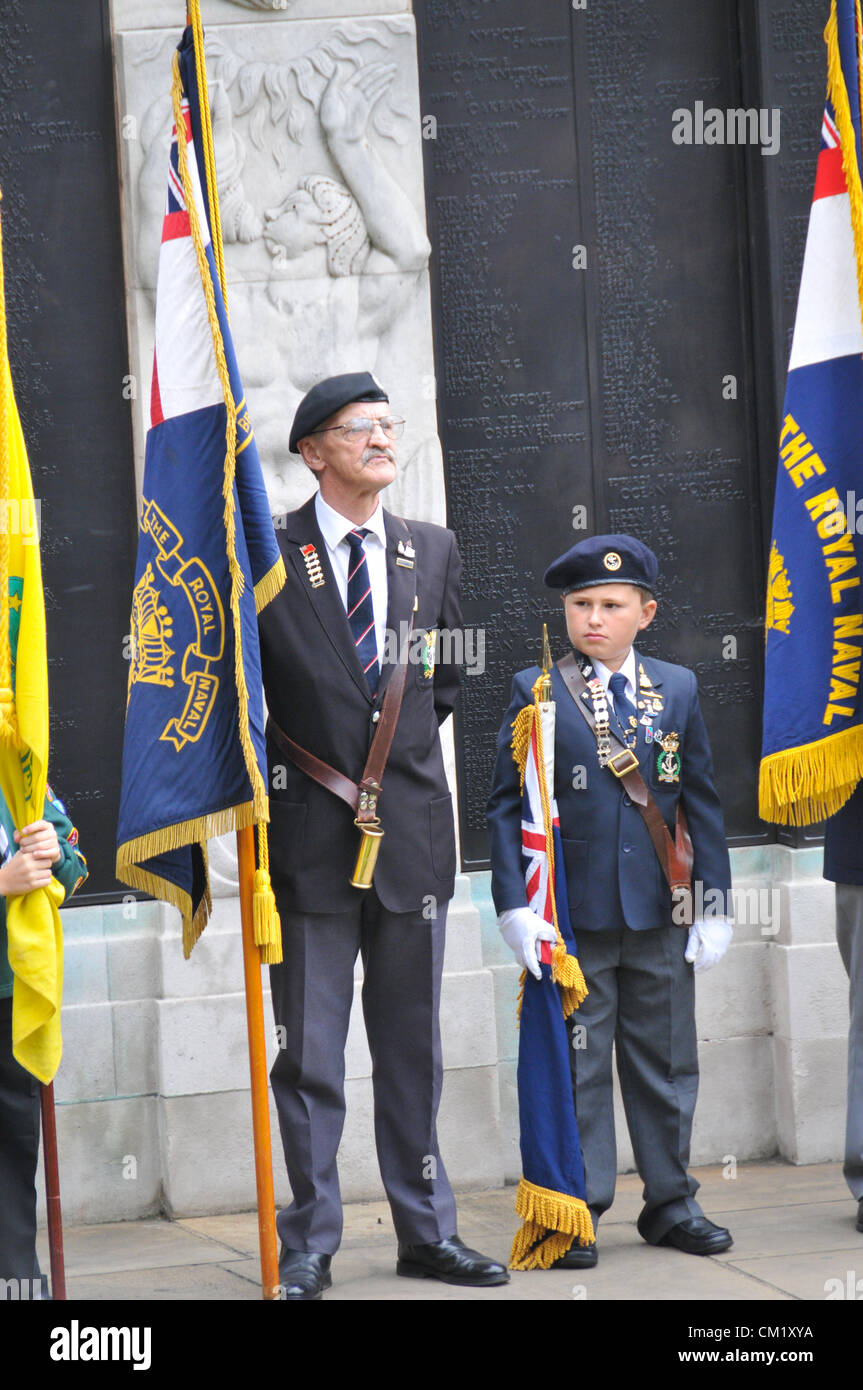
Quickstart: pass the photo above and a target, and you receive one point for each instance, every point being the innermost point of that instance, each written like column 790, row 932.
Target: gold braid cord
column 8, row 721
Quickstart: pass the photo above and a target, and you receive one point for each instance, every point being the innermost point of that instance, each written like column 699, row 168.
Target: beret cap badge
column 612, row 560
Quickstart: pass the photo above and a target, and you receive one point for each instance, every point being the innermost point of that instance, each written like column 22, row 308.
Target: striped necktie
column 623, row 706
column 361, row 615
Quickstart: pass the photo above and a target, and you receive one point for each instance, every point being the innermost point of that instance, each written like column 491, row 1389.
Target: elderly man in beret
column 353, row 750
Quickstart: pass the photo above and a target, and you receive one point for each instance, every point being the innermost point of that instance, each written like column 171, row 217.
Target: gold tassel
column 552, row 1223
column 265, row 914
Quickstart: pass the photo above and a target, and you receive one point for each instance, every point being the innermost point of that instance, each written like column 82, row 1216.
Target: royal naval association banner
column 812, row 754
column 194, row 763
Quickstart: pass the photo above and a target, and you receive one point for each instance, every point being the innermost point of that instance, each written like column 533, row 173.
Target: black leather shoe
column 303, row 1275
column 698, row 1236
column 860, row 1215
column 450, row 1261
column 578, row 1257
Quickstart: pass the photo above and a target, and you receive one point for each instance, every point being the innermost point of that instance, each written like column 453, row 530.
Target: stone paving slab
column 793, row 1230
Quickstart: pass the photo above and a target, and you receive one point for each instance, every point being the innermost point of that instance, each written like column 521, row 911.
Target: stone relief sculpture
column 326, row 252
column 325, row 245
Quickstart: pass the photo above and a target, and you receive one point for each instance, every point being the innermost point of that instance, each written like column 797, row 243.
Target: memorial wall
column 608, row 353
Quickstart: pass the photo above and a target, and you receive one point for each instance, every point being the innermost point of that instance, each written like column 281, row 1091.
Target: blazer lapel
column 325, row 599
column 401, row 591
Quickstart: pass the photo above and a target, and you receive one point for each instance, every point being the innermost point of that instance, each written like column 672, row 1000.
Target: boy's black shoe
column 578, row 1257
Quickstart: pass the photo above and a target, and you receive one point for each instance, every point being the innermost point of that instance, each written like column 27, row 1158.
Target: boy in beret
column 635, row 950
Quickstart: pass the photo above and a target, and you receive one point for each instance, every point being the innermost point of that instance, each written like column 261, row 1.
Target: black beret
column 603, row 560
column 329, row 396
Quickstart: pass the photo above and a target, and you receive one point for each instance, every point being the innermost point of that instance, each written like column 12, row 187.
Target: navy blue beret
column 603, row 560
column 329, row 396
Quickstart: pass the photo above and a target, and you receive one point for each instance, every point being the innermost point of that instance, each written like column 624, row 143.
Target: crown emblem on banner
column 779, row 595
column 152, row 626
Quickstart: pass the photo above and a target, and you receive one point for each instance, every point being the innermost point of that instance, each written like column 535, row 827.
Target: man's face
column 602, row 621
column 362, row 464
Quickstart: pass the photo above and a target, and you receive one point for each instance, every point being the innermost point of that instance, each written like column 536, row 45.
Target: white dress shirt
column 334, row 528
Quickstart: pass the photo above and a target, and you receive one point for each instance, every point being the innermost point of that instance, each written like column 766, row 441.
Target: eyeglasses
column 363, row 425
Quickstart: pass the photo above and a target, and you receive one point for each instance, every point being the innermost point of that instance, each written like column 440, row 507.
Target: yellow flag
column 32, row 920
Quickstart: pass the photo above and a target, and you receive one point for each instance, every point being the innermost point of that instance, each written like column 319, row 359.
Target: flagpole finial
column 545, row 687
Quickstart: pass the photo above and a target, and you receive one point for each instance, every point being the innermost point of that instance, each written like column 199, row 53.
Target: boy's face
column 602, row 621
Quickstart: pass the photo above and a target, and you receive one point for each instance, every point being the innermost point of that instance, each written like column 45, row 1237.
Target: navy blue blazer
column 612, row 872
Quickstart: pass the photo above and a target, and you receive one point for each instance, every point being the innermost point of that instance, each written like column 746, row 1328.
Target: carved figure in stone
column 325, row 250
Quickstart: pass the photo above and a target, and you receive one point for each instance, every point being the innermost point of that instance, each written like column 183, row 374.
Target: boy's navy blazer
column 317, row 693
column 612, row 872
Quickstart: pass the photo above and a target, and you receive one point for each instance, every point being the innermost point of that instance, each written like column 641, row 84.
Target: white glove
column 708, row 942
column 521, row 929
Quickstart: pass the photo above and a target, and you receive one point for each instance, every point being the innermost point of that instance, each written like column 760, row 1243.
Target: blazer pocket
column 575, row 862
column 442, row 836
column 286, row 834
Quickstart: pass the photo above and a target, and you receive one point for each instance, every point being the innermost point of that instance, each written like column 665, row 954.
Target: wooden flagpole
column 245, row 837
column 52, row 1191
column 258, row 1070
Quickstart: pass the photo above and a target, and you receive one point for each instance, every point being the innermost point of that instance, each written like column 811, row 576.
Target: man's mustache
column 369, row 454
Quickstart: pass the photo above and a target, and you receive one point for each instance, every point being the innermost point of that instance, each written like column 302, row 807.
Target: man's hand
column 521, row 929
column 708, row 942
column 39, row 839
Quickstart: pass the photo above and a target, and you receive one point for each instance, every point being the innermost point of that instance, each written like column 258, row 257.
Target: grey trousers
column 312, row 992
column 849, row 935
column 642, row 999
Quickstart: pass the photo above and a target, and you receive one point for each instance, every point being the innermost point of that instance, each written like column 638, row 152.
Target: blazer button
column 627, row 848
column 627, row 799
column 376, row 714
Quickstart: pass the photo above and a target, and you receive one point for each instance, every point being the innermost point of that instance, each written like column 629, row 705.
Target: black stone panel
column 67, row 339
column 643, row 387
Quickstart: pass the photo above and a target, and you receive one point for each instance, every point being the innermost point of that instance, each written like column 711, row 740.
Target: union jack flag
column 545, row 889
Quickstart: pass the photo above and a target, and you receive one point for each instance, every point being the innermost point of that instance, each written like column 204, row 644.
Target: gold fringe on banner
column 801, row 786
column 271, row 584
column 551, row 1223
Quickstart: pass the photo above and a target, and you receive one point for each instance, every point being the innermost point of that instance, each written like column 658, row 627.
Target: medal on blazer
column 668, row 761
column 405, row 554
column 600, row 715
column 313, row 566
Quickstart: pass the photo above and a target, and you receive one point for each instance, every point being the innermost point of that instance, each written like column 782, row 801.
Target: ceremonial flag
column 32, row 920
column 812, row 752
column 551, row 1195
column 194, row 762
